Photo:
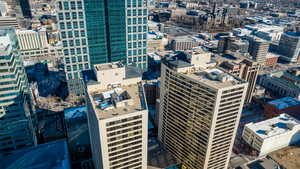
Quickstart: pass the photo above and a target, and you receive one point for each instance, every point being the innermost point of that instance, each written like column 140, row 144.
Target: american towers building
column 101, row 31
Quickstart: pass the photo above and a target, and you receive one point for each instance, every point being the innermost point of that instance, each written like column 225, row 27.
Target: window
column 75, row 25
column 69, row 25
column 72, row 51
column 134, row 44
column 60, row 16
column 129, row 29
column 66, row 52
column 86, row 65
column 76, row 33
column 70, row 75
column 73, row 5
column 68, row 68
column 84, row 50
column 79, row 58
column 74, row 67
column 134, row 29
column 63, row 35
column 129, row 13
column 85, row 58
column 140, row 20
column 62, row 25
column 73, row 59
column 140, row 12
column 66, row 5
column 145, row 28
column 65, row 43
column 80, row 66
column 68, row 17
column 67, row 60
column 133, row 12
column 82, row 33
column 81, row 24
column 78, row 50
column 140, row 28
column 71, row 42
column 129, row 52
column 80, row 15
column 74, row 15
column 70, row 34
column 83, row 41
column 77, row 42
column 79, row 5
column 145, row 20
column 140, row 36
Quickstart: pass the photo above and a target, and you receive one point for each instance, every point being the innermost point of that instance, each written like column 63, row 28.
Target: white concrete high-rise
column 117, row 118
column 200, row 108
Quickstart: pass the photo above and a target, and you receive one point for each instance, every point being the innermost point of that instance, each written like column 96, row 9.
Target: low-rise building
column 183, row 43
column 271, row 60
column 282, row 83
column 286, row 105
column 272, row 134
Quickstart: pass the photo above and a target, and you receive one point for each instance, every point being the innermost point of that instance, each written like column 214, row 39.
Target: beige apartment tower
column 117, row 118
column 200, row 108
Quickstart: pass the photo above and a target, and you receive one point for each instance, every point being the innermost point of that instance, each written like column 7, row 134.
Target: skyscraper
column 16, row 129
column 102, row 31
column 117, row 118
column 200, row 108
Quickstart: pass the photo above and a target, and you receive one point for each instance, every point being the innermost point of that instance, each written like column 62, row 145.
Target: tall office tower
column 258, row 49
column 16, row 129
column 246, row 69
column 199, row 112
column 117, row 118
column 289, row 46
column 102, row 31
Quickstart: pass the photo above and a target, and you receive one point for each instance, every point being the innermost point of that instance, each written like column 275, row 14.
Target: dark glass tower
column 101, row 31
column 106, row 30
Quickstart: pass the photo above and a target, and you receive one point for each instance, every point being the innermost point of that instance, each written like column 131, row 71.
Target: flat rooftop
column 118, row 101
column 108, row 66
column 52, row 155
column 287, row 157
column 273, row 127
column 215, row 78
column 284, row 103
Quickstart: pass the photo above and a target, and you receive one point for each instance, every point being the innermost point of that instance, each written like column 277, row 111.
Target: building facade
column 102, row 31
column 287, row 105
column 199, row 112
column 35, row 48
column 117, row 118
column 289, row 46
column 245, row 69
column 16, row 129
column 258, row 49
column 282, row 83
